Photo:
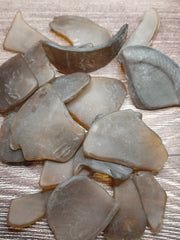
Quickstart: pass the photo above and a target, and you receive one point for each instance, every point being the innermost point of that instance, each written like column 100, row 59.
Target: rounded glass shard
column 130, row 221
column 54, row 173
column 115, row 171
column 84, row 59
column 17, row 83
column 21, row 36
column 6, row 153
column 44, row 129
column 123, row 138
column 153, row 78
column 103, row 95
column 39, row 64
column 80, row 30
column 68, row 86
column 79, row 209
column 145, row 31
column 25, row 211
column 153, row 198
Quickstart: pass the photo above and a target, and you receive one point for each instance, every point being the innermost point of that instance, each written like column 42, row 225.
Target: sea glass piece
column 6, row 153
column 72, row 59
column 153, row 198
column 25, row 211
column 68, row 86
column 153, row 78
column 54, row 173
column 44, row 129
column 80, row 30
column 79, row 209
column 17, row 83
column 39, row 64
column 114, row 170
column 145, row 31
column 21, row 36
column 103, row 95
column 122, row 137
column 130, row 221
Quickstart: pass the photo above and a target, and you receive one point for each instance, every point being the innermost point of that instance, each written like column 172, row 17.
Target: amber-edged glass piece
column 44, row 129
column 122, row 137
column 27, row 210
column 17, row 83
column 84, row 59
column 130, row 221
column 103, row 95
column 153, row 198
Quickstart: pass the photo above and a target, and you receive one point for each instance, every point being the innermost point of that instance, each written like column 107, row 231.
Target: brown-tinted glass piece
column 79, row 209
column 153, row 78
column 39, row 64
column 21, row 36
column 6, row 153
column 153, row 198
column 44, row 129
column 73, row 59
column 115, row 171
column 130, row 221
column 68, row 86
column 80, row 30
column 54, row 173
column 17, row 83
column 103, row 95
column 123, row 138
column 25, row 211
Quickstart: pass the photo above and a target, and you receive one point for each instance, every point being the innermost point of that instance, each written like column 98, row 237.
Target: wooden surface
column 16, row 181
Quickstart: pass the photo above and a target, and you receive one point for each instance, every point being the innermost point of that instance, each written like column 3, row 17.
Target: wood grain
column 16, row 181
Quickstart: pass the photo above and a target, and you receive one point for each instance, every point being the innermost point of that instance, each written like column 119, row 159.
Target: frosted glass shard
column 54, row 173
column 145, row 31
column 39, row 64
column 123, row 138
column 130, row 221
column 25, row 211
column 79, row 209
column 16, row 83
column 115, row 171
column 68, row 86
column 44, row 129
column 153, row 198
column 80, row 30
column 103, row 95
column 21, row 36
column 84, row 59
column 153, row 78
column 6, row 153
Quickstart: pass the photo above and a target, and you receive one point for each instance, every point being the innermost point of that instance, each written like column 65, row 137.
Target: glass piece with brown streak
column 68, row 86
column 6, row 153
column 153, row 198
column 17, row 83
column 44, row 129
column 79, row 209
column 54, row 173
column 80, row 30
column 145, row 31
column 153, row 77
column 21, row 36
column 115, row 171
column 103, row 95
column 84, row 59
column 130, row 221
column 39, row 64
column 123, row 138
column 25, row 211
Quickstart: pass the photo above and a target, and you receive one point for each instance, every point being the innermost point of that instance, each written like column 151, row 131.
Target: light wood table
column 16, row 181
